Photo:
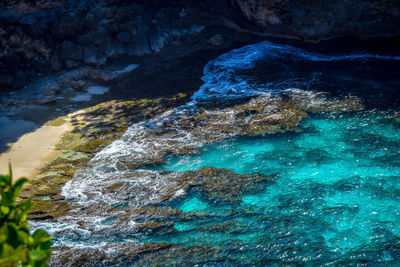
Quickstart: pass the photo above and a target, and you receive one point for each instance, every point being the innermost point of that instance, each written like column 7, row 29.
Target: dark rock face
column 124, row 37
column 46, row 36
column 71, row 51
column 323, row 19
column 216, row 40
column 68, row 25
column 6, row 80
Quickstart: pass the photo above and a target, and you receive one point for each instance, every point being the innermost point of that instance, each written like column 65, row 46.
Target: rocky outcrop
column 83, row 33
column 50, row 36
column 311, row 20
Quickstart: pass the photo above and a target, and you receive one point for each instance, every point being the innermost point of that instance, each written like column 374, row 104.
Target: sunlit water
column 336, row 192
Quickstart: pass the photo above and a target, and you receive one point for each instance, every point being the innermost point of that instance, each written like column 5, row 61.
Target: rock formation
column 50, row 36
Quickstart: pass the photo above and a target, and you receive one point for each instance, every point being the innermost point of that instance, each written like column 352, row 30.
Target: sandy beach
column 32, row 150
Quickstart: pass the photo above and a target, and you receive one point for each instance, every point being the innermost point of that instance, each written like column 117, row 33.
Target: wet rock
column 122, row 254
column 124, row 37
column 194, row 256
column 90, row 22
column 56, row 63
column 156, row 213
column 71, row 51
column 124, row 15
column 71, row 64
column 20, row 79
column 68, row 25
column 140, row 43
column 129, row 27
column 114, row 28
column 15, row 40
column 78, row 85
column 260, row 11
column 99, row 12
column 285, row 120
column 99, row 35
column 216, row 40
column 226, row 186
column 39, row 29
column 6, row 80
column 92, row 56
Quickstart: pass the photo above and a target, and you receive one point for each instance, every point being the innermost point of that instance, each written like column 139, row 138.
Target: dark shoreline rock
column 47, row 37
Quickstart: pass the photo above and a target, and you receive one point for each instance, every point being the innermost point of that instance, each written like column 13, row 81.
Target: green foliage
column 17, row 246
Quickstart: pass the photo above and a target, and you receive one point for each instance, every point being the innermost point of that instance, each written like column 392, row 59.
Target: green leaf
column 5, row 210
column 37, row 255
column 12, row 238
column 23, row 237
column 17, row 246
column 41, row 236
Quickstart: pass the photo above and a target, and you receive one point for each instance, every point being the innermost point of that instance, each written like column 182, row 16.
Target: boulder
column 124, row 37
column 114, row 27
column 130, row 26
column 6, row 80
column 140, row 43
column 71, row 51
column 20, row 79
column 90, row 22
column 99, row 35
column 56, row 63
column 15, row 40
column 93, row 56
column 39, row 29
column 78, row 84
column 71, row 64
column 123, row 15
column 108, row 13
column 216, row 40
column 69, row 25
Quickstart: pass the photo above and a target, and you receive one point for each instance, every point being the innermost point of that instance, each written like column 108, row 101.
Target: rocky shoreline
column 96, row 127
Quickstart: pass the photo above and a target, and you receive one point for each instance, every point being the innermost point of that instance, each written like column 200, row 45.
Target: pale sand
column 32, row 151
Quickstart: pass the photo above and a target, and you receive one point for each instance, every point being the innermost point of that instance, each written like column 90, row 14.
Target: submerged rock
column 216, row 40
column 226, row 186
column 112, row 254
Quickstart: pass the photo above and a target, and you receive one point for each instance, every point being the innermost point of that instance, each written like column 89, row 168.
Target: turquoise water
column 336, row 194
column 327, row 194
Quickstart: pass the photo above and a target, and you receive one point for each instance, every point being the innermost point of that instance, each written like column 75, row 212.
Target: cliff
column 44, row 37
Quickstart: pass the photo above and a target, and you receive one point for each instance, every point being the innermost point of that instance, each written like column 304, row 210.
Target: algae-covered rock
column 223, row 185
column 95, row 128
column 121, row 254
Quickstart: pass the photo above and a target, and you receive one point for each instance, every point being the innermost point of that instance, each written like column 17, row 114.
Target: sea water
column 334, row 189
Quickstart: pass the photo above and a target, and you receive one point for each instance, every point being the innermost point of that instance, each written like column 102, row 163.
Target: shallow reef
column 139, row 199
